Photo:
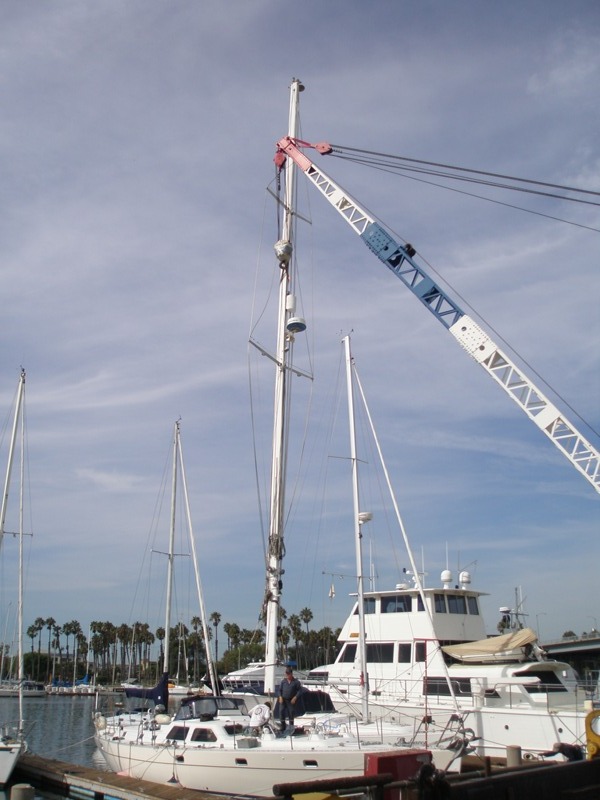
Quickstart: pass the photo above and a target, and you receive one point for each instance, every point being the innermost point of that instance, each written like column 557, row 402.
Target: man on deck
column 289, row 689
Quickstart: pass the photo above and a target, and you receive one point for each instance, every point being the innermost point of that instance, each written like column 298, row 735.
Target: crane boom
column 400, row 259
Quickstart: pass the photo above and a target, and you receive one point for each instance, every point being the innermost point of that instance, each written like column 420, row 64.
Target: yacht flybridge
column 428, row 659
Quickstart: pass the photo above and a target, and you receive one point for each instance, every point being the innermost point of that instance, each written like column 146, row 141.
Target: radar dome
column 446, row 578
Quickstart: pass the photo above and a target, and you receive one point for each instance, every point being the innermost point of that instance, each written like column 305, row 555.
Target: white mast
column 11, row 453
column 171, row 553
column 359, row 519
column 209, row 661
column 276, row 548
column 21, row 495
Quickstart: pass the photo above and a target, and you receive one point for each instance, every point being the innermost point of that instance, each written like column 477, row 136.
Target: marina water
column 58, row 727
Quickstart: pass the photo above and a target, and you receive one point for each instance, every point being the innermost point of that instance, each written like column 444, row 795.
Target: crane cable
column 403, row 165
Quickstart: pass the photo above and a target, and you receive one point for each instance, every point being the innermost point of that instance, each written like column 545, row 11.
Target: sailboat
column 167, row 687
column 212, row 744
column 12, row 741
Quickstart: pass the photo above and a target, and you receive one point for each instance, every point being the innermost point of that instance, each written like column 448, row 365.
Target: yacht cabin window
column 456, row 604
column 397, row 604
column 368, row 605
column 404, row 653
column 420, row 651
column 473, row 605
column 440, row 603
column 380, row 653
column 348, row 654
column 434, row 686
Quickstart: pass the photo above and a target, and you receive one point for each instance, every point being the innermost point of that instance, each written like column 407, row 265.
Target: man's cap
column 288, row 670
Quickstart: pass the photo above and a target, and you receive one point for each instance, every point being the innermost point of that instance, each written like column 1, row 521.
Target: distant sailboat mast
column 212, row 674
column 21, row 561
column 171, row 553
column 11, row 453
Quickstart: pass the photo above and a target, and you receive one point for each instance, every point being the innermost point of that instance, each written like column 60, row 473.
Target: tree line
column 116, row 653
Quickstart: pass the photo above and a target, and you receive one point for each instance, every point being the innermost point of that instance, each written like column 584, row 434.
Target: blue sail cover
column 159, row 693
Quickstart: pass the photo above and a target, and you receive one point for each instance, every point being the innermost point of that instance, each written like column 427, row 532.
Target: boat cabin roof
column 412, row 590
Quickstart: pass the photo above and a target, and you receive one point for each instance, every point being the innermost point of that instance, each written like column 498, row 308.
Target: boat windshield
column 208, row 707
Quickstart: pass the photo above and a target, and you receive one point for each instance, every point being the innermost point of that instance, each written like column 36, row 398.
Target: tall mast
column 21, row 561
column 11, row 453
column 359, row 519
column 171, row 553
column 285, row 336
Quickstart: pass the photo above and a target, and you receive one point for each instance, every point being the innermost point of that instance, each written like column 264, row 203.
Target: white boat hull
column 253, row 771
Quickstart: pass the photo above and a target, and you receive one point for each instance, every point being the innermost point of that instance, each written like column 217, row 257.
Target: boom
column 400, row 259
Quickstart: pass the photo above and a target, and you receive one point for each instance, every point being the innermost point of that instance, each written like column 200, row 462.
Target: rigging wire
column 338, row 150
column 403, row 171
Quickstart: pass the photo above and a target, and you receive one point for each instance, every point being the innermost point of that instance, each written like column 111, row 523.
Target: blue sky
column 135, row 246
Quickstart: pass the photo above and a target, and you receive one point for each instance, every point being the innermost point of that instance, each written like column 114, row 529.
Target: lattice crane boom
column 399, row 258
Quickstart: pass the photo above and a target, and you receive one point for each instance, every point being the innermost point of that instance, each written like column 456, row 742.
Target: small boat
column 12, row 735
column 25, row 688
column 158, row 696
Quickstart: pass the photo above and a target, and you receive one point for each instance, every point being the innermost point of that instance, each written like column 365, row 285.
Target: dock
column 83, row 783
column 578, row 780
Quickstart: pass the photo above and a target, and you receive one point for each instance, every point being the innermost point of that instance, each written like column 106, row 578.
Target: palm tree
column 145, row 640
column 32, row 632
column 81, row 650
column 215, row 618
column 196, row 623
column 72, row 628
column 125, row 635
column 295, row 626
column 49, row 623
column 56, row 632
column 306, row 615
column 160, row 635
column 39, row 625
column 227, row 629
column 284, row 640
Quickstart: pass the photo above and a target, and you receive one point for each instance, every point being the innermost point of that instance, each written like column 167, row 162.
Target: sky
column 136, row 141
